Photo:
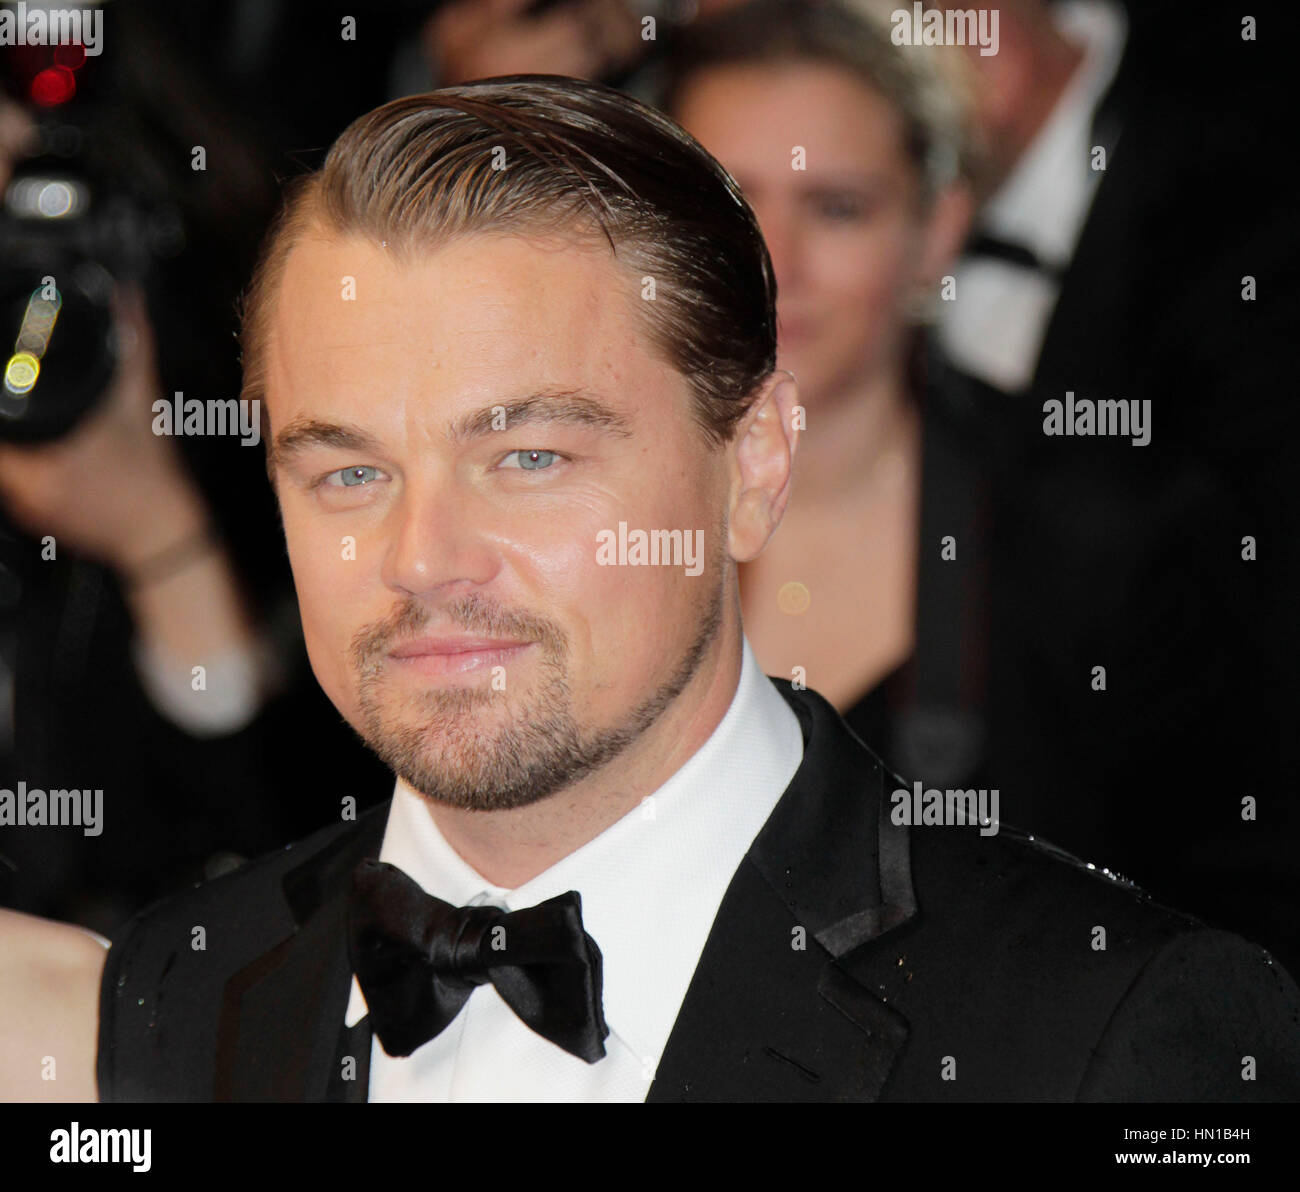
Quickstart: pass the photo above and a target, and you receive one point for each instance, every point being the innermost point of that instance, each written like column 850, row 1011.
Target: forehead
column 478, row 318
column 755, row 114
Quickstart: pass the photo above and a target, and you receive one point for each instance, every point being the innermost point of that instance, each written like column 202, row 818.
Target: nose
column 438, row 544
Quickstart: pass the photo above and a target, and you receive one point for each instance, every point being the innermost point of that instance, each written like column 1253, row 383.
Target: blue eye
column 534, row 461
column 352, row 477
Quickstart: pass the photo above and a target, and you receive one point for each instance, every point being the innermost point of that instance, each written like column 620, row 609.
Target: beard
column 451, row 746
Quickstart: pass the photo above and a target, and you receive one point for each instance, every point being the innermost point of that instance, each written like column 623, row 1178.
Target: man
column 516, row 342
column 1138, row 245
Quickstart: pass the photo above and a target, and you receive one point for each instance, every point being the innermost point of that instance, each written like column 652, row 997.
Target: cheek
column 861, row 289
column 330, row 569
column 867, row 276
column 638, row 619
column 621, row 621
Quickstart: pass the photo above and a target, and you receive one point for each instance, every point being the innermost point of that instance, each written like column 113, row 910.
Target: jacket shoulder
column 1046, row 978
column 164, row 978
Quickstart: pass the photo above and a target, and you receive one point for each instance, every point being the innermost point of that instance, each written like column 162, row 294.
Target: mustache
column 471, row 614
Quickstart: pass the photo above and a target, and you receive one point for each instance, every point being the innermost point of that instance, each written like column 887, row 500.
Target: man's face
column 449, row 444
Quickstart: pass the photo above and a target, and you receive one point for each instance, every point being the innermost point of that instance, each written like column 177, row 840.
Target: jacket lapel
column 771, row 1014
column 281, row 1036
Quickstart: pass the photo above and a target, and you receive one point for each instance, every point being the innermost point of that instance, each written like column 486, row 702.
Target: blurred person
column 637, row 869
column 617, row 42
column 1137, row 243
column 855, row 158
column 155, row 532
column 472, row 39
column 155, row 535
column 113, row 591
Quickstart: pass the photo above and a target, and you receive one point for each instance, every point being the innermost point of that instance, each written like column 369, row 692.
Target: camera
column 73, row 224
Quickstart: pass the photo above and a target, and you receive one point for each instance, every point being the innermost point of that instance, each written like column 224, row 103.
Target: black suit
column 922, row 944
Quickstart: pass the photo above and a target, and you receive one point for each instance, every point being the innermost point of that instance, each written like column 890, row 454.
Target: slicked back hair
column 549, row 155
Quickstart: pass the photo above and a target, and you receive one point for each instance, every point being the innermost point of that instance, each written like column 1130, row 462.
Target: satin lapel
column 281, row 1036
column 770, row 1014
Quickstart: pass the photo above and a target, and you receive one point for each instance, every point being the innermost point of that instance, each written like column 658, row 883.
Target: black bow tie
column 418, row 959
column 983, row 244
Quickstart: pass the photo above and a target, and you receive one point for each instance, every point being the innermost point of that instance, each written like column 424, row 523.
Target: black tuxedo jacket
column 939, row 965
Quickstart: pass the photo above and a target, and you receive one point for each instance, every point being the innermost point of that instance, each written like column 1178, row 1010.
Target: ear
column 946, row 226
column 762, row 461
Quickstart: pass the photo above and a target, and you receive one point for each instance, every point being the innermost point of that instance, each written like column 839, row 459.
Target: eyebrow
column 303, row 433
column 574, row 407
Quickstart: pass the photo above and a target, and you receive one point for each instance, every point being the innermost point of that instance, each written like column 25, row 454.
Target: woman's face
column 821, row 160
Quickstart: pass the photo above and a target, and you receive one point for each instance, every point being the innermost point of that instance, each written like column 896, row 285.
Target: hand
column 110, row 489
column 17, row 138
column 476, row 39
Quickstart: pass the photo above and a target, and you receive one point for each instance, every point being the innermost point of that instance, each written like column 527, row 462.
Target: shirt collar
column 652, row 882
column 1042, row 204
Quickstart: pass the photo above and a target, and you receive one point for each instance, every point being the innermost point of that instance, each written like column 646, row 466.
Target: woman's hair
column 925, row 85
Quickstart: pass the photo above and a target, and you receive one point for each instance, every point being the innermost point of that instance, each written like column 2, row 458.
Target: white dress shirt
column 995, row 326
column 651, row 885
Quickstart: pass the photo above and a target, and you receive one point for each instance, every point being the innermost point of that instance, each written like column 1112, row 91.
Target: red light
column 73, row 56
column 52, row 86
